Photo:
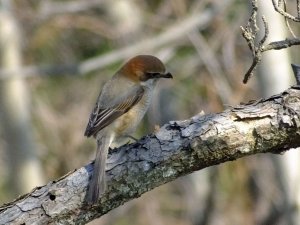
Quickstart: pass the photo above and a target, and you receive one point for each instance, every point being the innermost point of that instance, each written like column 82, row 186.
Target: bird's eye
column 150, row 75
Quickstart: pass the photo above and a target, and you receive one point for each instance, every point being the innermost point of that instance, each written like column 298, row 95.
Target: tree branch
column 177, row 149
column 277, row 45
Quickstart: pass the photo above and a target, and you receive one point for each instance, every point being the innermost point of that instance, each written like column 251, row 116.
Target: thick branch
column 177, row 149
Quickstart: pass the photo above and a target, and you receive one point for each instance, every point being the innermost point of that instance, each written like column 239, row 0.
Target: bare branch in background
column 277, row 7
column 212, row 65
column 171, row 34
column 50, row 8
column 250, row 33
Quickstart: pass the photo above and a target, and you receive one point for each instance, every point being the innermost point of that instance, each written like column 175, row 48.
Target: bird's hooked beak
column 166, row 75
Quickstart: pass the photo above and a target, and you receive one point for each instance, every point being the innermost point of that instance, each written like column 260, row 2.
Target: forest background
column 55, row 56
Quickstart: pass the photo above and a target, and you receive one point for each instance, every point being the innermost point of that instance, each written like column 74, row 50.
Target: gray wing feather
column 108, row 109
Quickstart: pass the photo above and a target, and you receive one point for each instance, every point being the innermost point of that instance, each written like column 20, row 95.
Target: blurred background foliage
column 64, row 52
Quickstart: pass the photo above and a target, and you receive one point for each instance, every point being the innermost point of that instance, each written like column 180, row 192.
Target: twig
column 250, row 35
column 263, row 40
column 287, row 22
column 285, row 14
column 277, row 45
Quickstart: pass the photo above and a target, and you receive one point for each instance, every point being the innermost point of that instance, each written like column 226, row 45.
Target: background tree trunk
column 24, row 167
column 275, row 75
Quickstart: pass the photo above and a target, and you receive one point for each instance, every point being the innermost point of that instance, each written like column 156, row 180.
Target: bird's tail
column 97, row 184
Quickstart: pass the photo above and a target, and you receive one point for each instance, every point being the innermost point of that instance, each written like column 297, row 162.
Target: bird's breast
column 127, row 123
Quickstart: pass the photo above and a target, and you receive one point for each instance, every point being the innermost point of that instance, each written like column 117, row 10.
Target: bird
column 120, row 107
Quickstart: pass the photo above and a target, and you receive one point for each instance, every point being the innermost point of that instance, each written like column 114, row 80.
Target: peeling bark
column 178, row 148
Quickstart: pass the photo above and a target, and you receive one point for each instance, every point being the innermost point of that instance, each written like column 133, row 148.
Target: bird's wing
column 102, row 115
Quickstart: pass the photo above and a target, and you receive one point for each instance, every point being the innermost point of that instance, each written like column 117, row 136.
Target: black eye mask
column 152, row 75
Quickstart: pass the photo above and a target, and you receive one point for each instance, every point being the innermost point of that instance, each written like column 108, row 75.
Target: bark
column 177, row 149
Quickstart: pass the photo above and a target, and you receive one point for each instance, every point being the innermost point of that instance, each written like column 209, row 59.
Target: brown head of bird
column 144, row 67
